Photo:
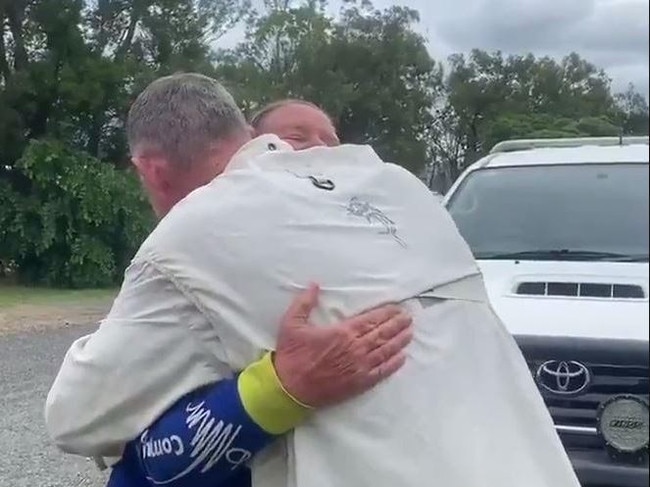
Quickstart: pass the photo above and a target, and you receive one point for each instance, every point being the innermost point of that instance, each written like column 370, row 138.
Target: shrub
column 68, row 219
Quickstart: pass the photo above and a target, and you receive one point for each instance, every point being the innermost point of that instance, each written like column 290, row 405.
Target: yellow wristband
column 266, row 401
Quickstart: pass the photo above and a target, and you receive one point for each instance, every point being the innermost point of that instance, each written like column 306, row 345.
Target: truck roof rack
column 527, row 144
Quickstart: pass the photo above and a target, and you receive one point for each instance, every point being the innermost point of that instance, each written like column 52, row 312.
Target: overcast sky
column 613, row 34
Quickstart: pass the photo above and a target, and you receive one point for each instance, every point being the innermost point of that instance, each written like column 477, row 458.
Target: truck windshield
column 555, row 212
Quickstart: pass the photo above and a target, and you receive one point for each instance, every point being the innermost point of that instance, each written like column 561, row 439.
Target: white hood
column 571, row 316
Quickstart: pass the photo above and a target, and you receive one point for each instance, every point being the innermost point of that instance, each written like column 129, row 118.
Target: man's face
column 165, row 184
column 300, row 125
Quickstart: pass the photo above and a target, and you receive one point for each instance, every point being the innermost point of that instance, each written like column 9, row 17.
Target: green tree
column 69, row 69
column 634, row 116
column 64, row 228
column 368, row 68
column 490, row 98
column 68, row 72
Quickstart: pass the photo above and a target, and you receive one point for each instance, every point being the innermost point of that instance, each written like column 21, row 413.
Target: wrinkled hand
column 320, row 366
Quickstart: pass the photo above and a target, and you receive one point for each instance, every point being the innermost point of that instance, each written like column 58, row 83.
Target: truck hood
column 574, row 315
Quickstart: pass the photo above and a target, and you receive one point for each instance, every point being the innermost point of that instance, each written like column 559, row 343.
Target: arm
column 153, row 347
column 227, row 423
column 206, row 437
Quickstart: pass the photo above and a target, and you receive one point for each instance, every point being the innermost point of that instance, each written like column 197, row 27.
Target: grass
column 11, row 296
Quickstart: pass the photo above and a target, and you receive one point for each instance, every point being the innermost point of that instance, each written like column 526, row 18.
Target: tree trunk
column 15, row 12
column 5, row 69
column 125, row 46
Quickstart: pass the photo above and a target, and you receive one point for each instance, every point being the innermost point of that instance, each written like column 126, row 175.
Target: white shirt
column 205, row 293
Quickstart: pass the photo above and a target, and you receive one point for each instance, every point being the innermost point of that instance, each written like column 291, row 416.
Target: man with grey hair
column 225, row 261
column 182, row 131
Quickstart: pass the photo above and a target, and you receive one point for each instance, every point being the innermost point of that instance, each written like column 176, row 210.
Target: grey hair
column 183, row 116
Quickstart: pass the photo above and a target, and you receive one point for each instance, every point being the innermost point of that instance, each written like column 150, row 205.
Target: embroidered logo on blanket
column 374, row 216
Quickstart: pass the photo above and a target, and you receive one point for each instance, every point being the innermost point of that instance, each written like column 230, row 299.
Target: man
column 239, row 246
column 341, row 370
column 303, row 125
column 299, row 123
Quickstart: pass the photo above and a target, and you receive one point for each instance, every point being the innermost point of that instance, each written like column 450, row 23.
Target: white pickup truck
column 560, row 230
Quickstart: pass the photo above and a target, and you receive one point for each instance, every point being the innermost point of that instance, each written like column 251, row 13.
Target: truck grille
column 580, row 411
column 614, row 366
column 607, row 381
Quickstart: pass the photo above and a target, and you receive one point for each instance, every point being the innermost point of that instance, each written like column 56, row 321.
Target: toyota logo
column 563, row 377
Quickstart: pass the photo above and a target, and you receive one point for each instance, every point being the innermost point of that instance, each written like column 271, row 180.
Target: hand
column 320, row 366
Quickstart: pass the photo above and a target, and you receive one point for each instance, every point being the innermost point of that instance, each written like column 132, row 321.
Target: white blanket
column 210, row 284
column 464, row 411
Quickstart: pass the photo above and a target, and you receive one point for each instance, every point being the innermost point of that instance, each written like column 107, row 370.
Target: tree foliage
column 368, row 68
column 62, row 227
column 491, row 97
column 70, row 211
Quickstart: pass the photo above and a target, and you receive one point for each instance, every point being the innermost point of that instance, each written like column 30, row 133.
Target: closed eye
column 297, row 137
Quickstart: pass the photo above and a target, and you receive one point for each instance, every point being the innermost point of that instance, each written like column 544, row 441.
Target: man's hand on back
column 320, row 366
column 312, row 367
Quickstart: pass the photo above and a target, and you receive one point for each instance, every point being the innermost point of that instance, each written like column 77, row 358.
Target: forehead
column 296, row 115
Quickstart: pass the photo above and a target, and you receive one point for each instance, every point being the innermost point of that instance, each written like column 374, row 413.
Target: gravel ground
column 28, row 363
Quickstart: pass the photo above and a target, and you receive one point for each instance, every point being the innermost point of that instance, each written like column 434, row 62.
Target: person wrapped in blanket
column 224, row 263
column 255, row 398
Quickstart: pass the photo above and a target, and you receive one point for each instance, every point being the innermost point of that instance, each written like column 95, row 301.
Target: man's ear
column 137, row 164
column 151, row 171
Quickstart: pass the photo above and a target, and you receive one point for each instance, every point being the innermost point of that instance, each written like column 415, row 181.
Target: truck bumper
column 596, row 469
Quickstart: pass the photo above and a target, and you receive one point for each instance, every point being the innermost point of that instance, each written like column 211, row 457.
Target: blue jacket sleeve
column 204, row 440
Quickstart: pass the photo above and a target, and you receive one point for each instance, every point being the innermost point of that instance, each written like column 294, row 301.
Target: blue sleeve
column 204, row 440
